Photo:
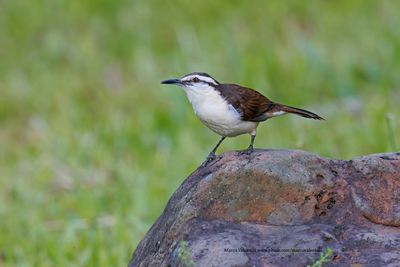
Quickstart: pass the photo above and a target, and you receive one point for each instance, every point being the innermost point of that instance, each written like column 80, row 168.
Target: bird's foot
column 248, row 151
column 211, row 157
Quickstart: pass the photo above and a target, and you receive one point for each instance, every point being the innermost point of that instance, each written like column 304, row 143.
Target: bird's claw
column 248, row 151
column 211, row 157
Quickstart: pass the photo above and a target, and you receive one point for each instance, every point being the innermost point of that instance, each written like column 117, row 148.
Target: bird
column 230, row 109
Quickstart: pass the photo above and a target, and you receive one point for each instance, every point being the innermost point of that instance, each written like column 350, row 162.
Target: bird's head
column 195, row 80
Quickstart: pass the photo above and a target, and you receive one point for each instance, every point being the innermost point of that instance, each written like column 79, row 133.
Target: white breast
column 215, row 112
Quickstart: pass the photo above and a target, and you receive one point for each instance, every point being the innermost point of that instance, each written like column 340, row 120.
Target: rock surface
column 280, row 208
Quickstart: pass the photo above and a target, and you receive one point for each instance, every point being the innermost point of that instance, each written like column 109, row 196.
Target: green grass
column 184, row 254
column 324, row 257
column 92, row 146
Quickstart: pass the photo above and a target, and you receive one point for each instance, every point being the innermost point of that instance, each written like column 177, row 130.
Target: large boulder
column 280, row 208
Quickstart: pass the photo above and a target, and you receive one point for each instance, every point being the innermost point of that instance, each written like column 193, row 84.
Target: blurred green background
column 92, row 146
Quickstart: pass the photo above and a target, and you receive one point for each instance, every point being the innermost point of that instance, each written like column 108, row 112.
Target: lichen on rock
column 281, row 208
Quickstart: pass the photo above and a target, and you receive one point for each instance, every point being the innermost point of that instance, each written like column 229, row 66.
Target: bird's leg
column 211, row 156
column 250, row 149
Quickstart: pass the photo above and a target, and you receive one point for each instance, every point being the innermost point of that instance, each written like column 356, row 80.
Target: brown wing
column 249, row 103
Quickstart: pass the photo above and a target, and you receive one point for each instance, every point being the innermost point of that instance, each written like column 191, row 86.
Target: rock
column 280, row 208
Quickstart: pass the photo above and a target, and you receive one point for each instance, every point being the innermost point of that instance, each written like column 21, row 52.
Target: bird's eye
column 196, row 80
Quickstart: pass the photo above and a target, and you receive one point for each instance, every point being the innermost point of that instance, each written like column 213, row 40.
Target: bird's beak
column 172, row 81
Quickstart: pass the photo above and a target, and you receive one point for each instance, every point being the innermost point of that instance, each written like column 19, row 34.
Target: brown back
column 249, row 103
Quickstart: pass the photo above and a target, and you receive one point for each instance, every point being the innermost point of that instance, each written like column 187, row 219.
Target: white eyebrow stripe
column 209, row 80
column 201, row 78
